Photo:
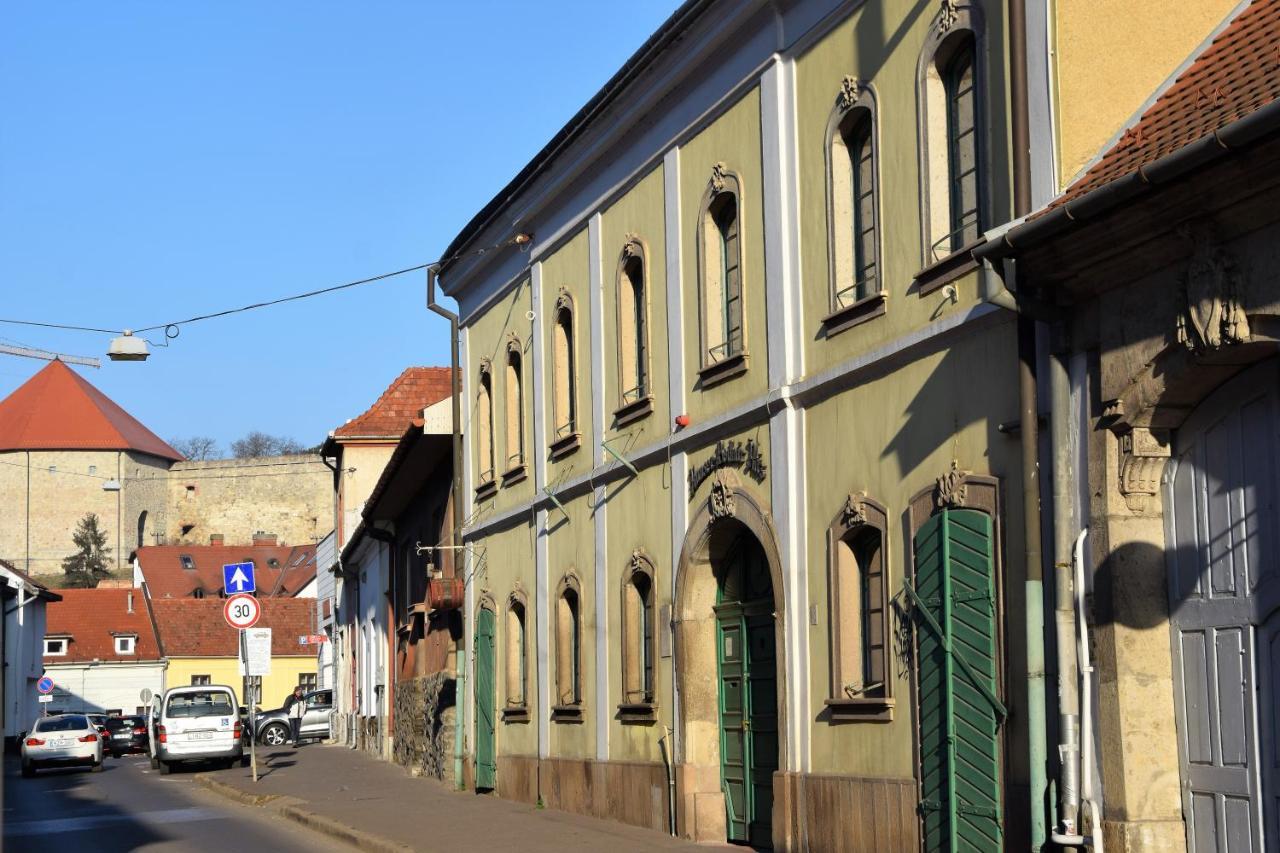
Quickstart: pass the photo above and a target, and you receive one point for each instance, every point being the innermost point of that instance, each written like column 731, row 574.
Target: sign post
column 242, row 612
column 249, row 700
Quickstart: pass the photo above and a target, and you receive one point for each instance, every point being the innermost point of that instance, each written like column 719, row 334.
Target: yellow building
column 749, row 428
column 201, row 648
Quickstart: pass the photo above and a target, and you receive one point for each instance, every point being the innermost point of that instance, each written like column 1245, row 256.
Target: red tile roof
column 197, row 628
column 57, row 409
column 295, row 567
column 93, row 618
column 1238, row 73
column 404, row 400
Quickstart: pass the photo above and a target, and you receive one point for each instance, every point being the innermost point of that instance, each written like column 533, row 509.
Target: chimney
column 215, row 538
column 130, row 601
column 260, row 538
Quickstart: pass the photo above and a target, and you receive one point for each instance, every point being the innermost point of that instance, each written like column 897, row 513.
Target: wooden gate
column 1221, row 527
column 486, row 765
column 953, row 607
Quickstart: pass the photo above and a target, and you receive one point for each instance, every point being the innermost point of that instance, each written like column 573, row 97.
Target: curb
column 309, row 819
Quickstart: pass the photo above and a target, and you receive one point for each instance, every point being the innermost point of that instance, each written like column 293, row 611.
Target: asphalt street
column 130, row 807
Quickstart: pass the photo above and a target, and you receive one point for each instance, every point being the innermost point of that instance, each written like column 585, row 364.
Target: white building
column 326, row 588
column 24, row 602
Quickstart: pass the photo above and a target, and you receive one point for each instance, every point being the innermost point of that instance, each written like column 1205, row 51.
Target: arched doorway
column 729, row 630
column 142, row 528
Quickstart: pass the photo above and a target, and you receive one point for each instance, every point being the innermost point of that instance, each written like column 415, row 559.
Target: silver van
column 199, row 723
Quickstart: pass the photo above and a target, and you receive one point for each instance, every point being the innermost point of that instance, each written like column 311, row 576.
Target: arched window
column 568, row 651
column 633, row 334
column 861, row 685
column 720, row 269
column 564, row 384
column 515, row 413
column 142, row 528
column 638, row 638
column 857, row 293
column 517, row 658
column 484, row 435
column 951, row 116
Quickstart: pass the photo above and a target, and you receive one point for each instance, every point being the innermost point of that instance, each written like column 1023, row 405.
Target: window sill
column 514, row 475
column 870, row 710
column 723, row 371
column 567, row 714
column 866, row 308
column 959, row 263
column 485, row 491
column 632, row 412
column 562, row 447
column 637, row 713
column 515, row 714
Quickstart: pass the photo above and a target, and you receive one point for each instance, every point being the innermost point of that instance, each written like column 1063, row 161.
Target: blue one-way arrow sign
column 238, row 577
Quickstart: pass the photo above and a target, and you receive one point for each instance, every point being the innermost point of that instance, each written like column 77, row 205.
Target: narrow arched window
column 517, row 655
column 484, row 420
column 633, row 321
column 858, row 602
column 515, row 408
column 638, row 636
column 962, row 147
column 564, row 379
column 720, row 271
column 568, row 679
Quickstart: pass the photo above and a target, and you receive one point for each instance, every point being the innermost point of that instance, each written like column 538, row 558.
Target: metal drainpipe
column 1038, row 782
column 459, row 658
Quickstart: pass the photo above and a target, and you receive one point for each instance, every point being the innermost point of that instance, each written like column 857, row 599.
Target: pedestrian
column 293, row 707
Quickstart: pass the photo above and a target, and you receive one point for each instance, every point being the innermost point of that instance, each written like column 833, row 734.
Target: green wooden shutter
column 486, row 766
column 959, row 716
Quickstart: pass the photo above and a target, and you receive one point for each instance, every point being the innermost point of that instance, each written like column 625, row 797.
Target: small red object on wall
column 445, row 593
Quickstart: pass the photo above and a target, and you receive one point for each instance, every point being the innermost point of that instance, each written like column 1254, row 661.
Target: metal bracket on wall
column 604, row 445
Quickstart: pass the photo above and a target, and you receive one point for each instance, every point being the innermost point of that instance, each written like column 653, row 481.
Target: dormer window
column 188, row 562
column 126, row 645
column 56, row 646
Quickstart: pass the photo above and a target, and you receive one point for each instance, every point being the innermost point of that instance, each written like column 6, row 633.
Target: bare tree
column 264, row 444
column 197, row 447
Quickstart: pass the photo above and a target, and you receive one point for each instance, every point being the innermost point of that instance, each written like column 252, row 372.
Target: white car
column 66, row 739
column 199, row 723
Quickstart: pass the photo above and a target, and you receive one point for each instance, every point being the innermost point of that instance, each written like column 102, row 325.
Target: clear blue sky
column 160, row 160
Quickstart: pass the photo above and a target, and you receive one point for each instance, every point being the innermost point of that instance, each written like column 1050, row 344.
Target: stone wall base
column 424, row 713
column 1144, row 836
column 630, row 792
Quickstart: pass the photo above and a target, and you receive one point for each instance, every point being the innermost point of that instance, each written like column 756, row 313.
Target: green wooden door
column 486, row 766
column 953, row 602
column 748, row 677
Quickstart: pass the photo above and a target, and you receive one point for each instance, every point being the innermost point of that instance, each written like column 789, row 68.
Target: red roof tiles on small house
column 179, row 571
column 92, row 619
column 404, row 400
column 197, row 628
column 57, row 409
column 1238, row 73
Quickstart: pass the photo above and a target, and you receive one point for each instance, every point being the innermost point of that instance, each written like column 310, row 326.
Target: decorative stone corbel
column 722, row 503
column 854, row 511
column 1212, row 316
column 564, row 300
column 719, row 177
column 850, row 87
column 1143, row 454
column 951, row 491
column 948, row 15
column 632, row 248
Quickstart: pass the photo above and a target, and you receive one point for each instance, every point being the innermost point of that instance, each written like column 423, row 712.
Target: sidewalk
column 376, row 805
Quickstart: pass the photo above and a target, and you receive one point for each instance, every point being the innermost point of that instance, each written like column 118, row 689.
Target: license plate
column 123, row 736
column 201, row 735
column 60, row 744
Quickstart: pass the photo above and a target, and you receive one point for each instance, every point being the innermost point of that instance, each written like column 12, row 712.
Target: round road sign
column 242, row 611
column 45, row 685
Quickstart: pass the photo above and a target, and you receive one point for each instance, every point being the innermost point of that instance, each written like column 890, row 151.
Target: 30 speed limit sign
column 242, row 611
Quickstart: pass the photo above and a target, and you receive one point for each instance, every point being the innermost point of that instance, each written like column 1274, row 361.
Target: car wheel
column 117, row 754
column 165, row 768
column 275, row 735
column 97, row 767
column 28, row 770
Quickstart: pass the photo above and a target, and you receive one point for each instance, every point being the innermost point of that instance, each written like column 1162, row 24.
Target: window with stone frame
column 951, row 88
column 201, row 680
column 484, row 435
column 568, row 681
column 635, row 395
column 564, row 379
column 853, row 233
column 515, row 410
column 517, row 662
column 720, row 273
column 307, row 681
column 859, row 616
column 639, row 637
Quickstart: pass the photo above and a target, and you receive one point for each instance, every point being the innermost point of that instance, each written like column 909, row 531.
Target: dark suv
column 126, row 734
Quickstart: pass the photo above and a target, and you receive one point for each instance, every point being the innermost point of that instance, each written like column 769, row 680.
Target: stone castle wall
column 424, row 725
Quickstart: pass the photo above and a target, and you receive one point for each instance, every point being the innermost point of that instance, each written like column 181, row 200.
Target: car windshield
column 118, row 723
column 65, row 723
column 205, row 703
